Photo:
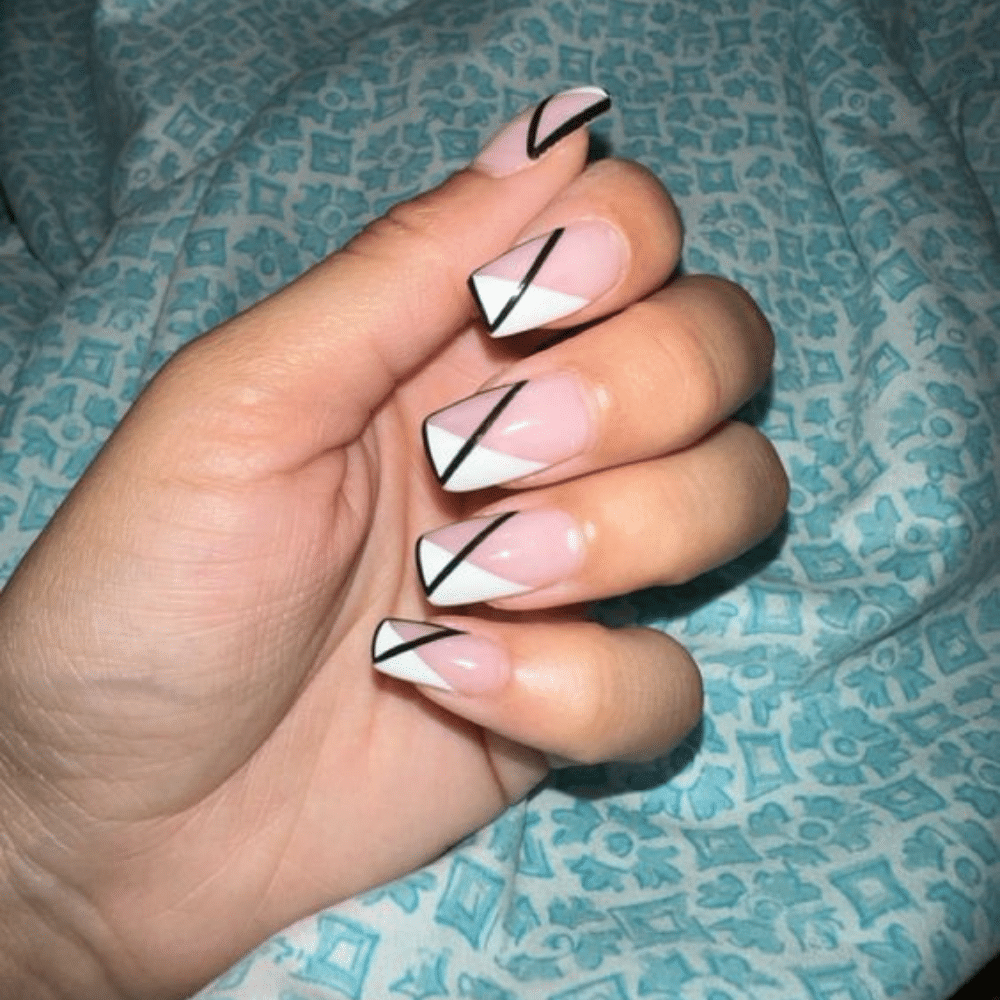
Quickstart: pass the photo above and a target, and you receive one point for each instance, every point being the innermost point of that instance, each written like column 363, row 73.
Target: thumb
column 318, row 357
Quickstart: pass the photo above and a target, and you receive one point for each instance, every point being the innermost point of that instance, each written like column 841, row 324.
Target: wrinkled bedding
column 832, row 830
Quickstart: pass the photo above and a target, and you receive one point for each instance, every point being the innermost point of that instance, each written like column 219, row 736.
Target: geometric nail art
column 459, row 460
column 536, row 130
column 546, row 129
column 395, row 648
column 508, row 295
column 449, row 578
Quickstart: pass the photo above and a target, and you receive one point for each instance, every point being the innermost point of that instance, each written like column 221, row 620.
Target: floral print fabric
column 832, row 830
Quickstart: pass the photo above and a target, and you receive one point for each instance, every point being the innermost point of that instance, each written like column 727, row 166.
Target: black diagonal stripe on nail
column 470, row 442
column 462, row 553
column 529, row 276
column 535, row 148
column 404, row 647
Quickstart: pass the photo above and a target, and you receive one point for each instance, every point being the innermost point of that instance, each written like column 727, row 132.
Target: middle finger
column 650, row 380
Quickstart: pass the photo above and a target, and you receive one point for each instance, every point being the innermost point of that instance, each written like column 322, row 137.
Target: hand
column 194, row 748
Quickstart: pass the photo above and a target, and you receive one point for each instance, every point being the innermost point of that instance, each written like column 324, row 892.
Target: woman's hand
column 194, row 748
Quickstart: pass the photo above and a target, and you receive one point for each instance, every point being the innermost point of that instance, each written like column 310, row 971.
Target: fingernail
column 548, row 277
column 498, row 556
column 539, row 128
column 439, row 657
column 508, row 432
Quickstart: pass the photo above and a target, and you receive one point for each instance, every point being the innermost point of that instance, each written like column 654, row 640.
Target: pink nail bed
column 438, row 656
column 508, row 432
column 500, row 555
column 539, row 128
column 549, row 277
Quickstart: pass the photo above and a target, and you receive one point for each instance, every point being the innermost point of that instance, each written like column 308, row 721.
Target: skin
column 194, row 748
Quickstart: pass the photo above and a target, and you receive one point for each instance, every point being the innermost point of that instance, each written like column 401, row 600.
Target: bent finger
column 609, row 238
column 651, row 379
column 662, row 522
column 572, row 690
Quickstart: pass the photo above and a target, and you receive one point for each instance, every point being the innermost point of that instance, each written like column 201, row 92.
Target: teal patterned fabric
column 832, row 831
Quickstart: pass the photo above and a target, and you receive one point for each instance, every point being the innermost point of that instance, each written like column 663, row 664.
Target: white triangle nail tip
column 480, row 468
column 466, row 583
column 493, row 294
column 406, row 666
column 442, row 446
column 386, row 638
column 536, row 306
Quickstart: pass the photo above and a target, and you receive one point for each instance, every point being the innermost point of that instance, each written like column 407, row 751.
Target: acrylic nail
column 501, row 555
column 508, row 432
column 536, row 130
column 438, row 656
column 548, row 277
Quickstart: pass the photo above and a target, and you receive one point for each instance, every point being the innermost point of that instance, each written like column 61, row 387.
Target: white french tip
column 406, row 665
column 482, row 467
column 536, row 306
column 465, row 584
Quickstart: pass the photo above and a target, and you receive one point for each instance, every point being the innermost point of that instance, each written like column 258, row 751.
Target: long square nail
column 501, row 555
column 508, row 432
column 549, row 277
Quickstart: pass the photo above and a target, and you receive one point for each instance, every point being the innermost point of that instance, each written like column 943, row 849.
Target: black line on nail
column 405, row 647
column 459, row 557
column 477, row 435
column 535, row 149
column 529, row 276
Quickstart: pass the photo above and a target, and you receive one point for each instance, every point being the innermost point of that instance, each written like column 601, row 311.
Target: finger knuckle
column 414, row 237
column 698, row 386
column 411, row 227
column 761, row 342
column 773, row 476
column 766, row 480
column 590, row 719
column 719, row 345
column 633, row 187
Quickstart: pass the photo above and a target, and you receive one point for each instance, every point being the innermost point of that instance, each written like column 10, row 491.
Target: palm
column 276, row 752
column 204, row 603
column 202, row 750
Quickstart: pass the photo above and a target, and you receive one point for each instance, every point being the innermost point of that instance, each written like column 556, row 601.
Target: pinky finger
column 571, row 690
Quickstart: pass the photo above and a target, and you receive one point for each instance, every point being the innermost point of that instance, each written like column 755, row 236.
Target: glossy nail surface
column 538, row 129
column 548, row 277
column 508, row 432
column 438, row 656
column 500, row 555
